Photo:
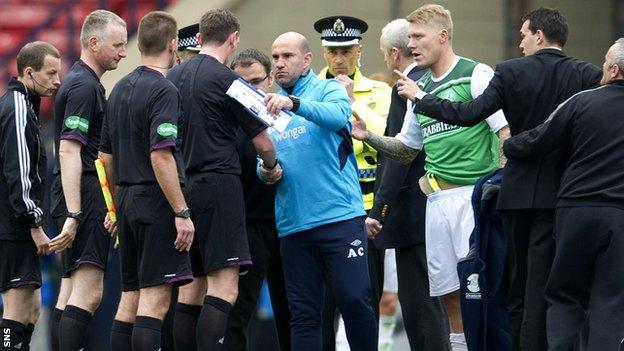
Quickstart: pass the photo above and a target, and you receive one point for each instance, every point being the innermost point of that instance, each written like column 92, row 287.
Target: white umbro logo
column 18, row 346
column 220, row 341
column 356, row 242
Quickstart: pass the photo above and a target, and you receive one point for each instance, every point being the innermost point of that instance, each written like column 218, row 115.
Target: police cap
column 187, row 38
column 340, row 30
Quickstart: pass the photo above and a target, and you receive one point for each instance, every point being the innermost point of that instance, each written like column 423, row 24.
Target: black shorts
column 218, row 212
column 92, row 241
column 146, row 234
column 19, row 264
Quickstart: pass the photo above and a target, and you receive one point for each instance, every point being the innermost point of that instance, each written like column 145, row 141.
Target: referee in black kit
column 78, row 206
column 139, row 141
column 209, row 123
column 587, row 276
column 22, row 172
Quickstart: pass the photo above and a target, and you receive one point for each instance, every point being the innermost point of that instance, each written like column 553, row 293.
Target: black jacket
column 591, row 126
column 528, row 89
column 22, row 162
column 399, row 204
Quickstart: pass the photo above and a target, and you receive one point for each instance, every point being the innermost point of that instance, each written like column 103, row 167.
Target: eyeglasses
column 257, row 81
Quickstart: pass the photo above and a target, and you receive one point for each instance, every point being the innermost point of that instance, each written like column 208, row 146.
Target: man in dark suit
column 397, row 219
column 527, row 89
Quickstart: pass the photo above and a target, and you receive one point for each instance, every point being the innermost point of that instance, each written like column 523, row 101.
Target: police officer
column 22, row 161
column 340, row 38
column 188, row 46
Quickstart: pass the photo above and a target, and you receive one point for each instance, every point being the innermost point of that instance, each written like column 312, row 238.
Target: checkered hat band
column 349, row 32
column 186, row 42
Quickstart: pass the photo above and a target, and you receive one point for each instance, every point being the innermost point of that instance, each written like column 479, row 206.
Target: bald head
column 293, row 39
column 291, row 58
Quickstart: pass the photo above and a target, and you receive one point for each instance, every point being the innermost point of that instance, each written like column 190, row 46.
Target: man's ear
column 200, row 39
column 307, row 58
column 233, row 38
column 394, row 53
column 541, row 38
column 444, row 36
column 618, row 72
column 93, row 43
column 28, row 71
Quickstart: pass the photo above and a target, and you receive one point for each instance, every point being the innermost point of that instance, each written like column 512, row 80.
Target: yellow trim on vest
column 368, row 200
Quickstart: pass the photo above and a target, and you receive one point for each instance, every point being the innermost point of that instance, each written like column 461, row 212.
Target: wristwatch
column 295, row 101
column 185, row 213
column 78, row 215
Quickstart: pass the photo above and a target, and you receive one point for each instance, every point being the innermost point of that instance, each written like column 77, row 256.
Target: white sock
column 458, row 342
column 341, row 337
column 386, row 330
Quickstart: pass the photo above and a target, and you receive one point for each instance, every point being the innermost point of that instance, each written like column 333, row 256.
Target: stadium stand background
column 486, row 30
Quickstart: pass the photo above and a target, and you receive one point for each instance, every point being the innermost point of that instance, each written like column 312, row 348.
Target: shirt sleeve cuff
column 74, row 136
column 420, row 95
column 163, row 145
column 415, row 143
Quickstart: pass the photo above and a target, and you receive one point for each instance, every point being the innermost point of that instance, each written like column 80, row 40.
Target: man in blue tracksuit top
column 318, row 205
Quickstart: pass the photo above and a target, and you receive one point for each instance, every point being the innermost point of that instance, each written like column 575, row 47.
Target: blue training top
column 320, row 181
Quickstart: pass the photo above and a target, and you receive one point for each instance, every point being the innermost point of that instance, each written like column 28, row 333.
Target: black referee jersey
column 590, row 126
column 79, row 109
column 22, row 162
column 210, row 118
column 141, row 116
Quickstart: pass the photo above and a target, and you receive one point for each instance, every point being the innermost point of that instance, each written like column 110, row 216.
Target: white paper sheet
column 253, row 100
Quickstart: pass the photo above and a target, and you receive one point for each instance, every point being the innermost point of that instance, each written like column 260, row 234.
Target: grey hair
column 96, row 24
column 618, row 54
column 394, row 34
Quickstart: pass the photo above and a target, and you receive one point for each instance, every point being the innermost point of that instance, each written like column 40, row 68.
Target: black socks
column 146, row 334
column 212, row 323
column 73, row 328
column 121, row 335
column 184, row 326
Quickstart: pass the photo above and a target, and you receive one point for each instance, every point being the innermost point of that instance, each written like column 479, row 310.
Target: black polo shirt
column 210, row 118
column 79, row 109
column 141, row 116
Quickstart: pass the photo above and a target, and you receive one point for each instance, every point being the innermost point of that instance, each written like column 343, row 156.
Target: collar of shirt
column 33, row 98
column 409, row 68
column 617, row 82
column 300, row 84
column 86, row 67
column 551, row 50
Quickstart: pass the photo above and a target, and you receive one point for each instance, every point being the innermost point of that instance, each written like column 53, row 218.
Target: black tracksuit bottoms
column 587, row 278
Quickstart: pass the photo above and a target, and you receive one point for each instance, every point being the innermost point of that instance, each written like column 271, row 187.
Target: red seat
column 9, row 40
column 23, row 16
column 56, row 37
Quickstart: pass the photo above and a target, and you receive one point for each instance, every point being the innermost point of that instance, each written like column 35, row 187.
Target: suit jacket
column 399, row 203
column 528, row 89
